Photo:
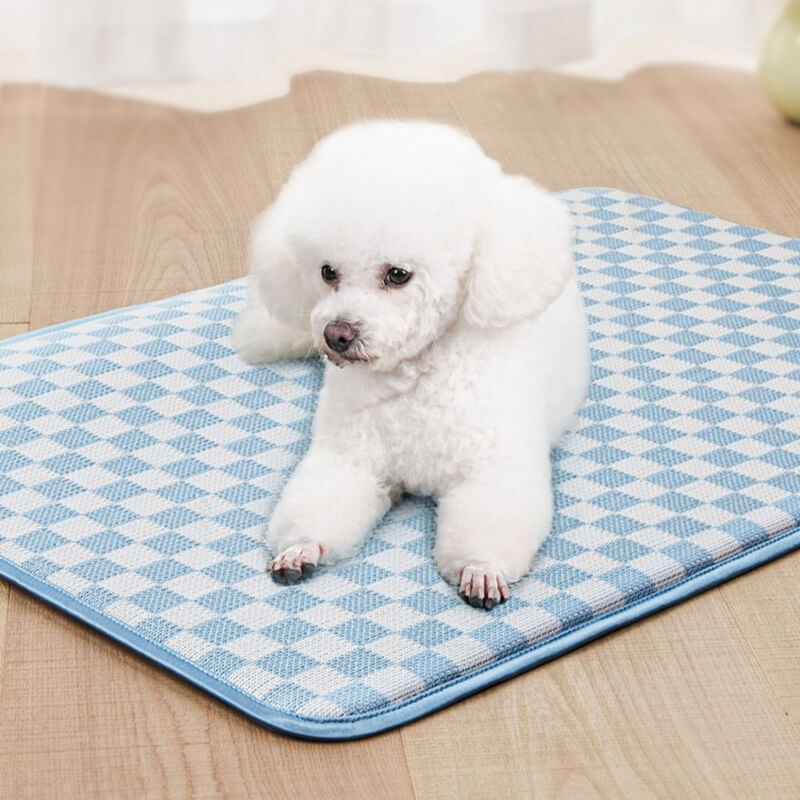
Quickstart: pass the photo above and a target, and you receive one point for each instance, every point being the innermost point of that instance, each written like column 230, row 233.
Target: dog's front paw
column 482, row 585
column 295, row 562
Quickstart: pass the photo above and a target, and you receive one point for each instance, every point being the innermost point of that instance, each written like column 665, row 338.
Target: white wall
column 113, row 42
column 729, row 26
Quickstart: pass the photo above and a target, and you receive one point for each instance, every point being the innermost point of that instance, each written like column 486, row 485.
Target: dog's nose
column 339, row 335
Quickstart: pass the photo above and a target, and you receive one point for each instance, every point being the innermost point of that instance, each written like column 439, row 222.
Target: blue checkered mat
column 139, row 457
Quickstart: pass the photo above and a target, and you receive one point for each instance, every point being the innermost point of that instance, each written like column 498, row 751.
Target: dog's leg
column 326, row 511
column 490, row 527
column 259, row 338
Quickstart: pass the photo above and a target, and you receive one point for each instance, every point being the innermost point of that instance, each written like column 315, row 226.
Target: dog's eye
column 329, row 274
column 397, row 276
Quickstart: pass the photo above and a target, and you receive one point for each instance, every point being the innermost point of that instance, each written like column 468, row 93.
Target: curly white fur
column 459, row 381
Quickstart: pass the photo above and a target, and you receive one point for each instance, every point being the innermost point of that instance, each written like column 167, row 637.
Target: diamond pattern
column 139, row 457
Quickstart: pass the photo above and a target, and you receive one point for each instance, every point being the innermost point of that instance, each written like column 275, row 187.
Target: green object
column 780, row 62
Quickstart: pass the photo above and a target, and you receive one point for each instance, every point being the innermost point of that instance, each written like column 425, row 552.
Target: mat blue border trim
column 347, row 728
column 434, row 699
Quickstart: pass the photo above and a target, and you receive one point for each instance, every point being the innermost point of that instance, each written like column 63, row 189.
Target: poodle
column 443, row 295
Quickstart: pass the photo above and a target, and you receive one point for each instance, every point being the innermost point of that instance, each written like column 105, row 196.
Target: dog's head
column 390, row 233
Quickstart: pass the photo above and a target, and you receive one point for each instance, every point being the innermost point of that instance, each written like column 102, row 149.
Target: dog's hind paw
column 295, row 562
column 482, row 585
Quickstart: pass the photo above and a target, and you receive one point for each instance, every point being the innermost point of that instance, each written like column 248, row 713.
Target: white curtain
column 123, row 42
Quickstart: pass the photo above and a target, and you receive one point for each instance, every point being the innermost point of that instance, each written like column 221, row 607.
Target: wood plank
column 9, row 329
column 766, row 608
column 700, row 137
column 673, row 707
column 154, row 213
column 20, row 132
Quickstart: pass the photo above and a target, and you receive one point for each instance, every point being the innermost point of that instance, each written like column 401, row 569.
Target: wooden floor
column 106, row 202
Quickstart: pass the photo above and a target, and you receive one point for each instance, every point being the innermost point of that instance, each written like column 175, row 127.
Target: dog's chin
column 375, row 362
column 345, row 359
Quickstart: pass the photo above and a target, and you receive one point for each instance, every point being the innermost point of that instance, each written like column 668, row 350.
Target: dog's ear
column 522, row 258
column 277, row 279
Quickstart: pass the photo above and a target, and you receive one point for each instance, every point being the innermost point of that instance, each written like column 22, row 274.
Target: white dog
column 446, row 290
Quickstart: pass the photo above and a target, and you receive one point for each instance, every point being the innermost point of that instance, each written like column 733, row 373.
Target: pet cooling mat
column 139, row 458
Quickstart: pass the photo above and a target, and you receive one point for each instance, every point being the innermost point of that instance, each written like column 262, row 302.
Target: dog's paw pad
column 295, row 562
column 482, row 585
